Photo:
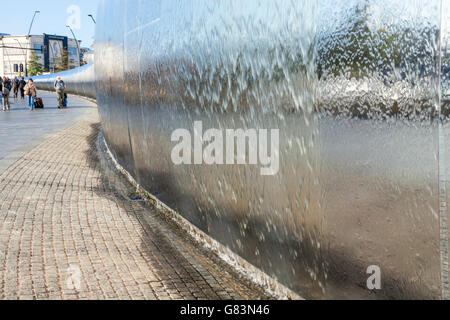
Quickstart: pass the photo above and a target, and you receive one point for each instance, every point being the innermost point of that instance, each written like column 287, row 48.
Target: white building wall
column 1, row 64
column 17, row 53
column 13, row 55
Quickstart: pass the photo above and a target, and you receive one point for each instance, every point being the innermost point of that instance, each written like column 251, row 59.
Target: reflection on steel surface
column 358, row 179
column 80, row 81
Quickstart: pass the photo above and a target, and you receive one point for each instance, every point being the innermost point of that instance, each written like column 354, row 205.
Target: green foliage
column 62, row 62
column 34, row 67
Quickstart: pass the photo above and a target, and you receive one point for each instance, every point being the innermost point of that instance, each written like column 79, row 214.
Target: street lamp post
column 32, row 21
column 95, row 22
column 90, row 15
column 78, row 45
column 28, row 38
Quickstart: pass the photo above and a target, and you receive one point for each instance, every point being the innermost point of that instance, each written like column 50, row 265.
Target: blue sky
column 15, row 18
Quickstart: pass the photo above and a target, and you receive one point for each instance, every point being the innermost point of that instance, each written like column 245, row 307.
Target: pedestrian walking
column 60, row 86
column 6, row 90
column 15, row 88
column 22, row 85
column 31, row 92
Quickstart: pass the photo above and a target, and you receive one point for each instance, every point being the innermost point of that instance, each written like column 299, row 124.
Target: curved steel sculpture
column 82, row 81
column 352, row 194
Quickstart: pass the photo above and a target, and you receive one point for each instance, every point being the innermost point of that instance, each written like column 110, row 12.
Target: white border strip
column 237, row 263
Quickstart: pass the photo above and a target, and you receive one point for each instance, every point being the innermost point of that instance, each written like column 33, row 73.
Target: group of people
column 15, row 86
column 27, row 89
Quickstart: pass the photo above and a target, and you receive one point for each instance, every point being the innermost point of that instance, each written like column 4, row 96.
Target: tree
column 62, row 62
column 35, row 68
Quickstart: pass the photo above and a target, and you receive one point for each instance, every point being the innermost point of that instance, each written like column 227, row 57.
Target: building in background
column 16, row 52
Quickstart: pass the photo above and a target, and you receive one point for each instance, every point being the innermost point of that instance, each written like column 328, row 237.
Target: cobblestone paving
column 68, row 232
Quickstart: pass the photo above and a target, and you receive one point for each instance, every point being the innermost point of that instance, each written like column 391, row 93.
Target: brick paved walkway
column 68, row 231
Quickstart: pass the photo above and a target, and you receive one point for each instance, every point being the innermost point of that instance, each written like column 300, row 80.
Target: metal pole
column 28, row 37
column 90, row 15
column 32, row 21
column 78, row 45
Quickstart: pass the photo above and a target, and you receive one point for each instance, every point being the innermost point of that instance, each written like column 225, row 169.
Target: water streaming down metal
column 354, row 97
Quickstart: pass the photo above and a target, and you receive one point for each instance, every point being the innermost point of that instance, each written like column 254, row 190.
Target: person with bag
column 6, row 89
column 31, row 92
column 60, row 86
column 15, row 88
column 22, row 85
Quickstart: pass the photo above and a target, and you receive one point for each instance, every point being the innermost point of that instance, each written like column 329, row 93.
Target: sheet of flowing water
column 378, row 67
column 353, row 88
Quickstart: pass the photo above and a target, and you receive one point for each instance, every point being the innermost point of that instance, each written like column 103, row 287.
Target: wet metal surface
column 354, row 98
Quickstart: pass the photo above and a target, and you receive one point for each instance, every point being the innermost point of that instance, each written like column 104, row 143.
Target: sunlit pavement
column 68, row 230
column 21, row 129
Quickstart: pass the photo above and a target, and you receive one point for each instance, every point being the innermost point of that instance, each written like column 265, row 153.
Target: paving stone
column 68, row 233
